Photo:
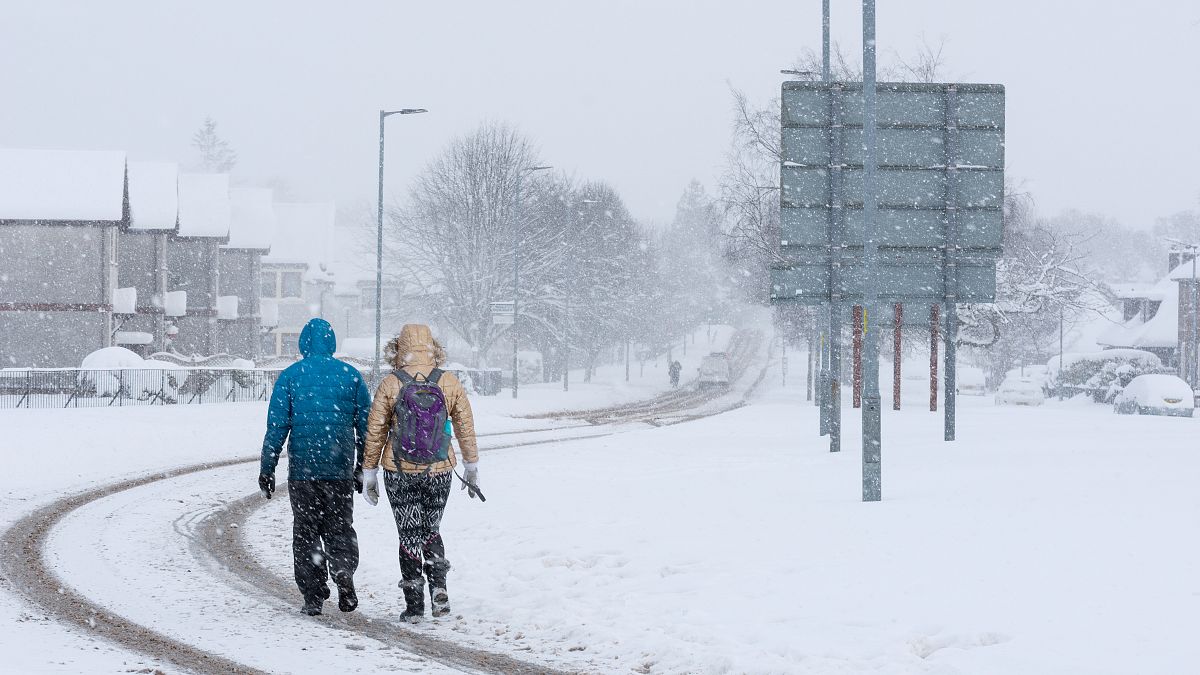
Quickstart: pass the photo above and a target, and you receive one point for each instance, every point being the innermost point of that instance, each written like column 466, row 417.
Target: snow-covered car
column 714, row 371
column 1020, row 391
column 1156, row 395
column 971, row 382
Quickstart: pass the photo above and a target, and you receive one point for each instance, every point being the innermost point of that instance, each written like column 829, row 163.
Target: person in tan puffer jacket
column 418, row 492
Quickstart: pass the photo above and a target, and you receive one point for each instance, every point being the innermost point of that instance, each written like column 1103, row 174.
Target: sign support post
column 871, row 419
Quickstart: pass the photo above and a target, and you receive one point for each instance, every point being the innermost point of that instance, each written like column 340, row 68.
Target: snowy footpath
column 1057, row 540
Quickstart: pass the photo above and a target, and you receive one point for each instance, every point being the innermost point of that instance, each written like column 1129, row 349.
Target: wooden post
column 857, row 318
column 896, row 357
column 934, row 320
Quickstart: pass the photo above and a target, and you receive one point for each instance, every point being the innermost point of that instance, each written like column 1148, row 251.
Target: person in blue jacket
column 319, row 407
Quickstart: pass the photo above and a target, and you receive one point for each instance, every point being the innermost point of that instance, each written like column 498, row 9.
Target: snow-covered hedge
column 1102, row 375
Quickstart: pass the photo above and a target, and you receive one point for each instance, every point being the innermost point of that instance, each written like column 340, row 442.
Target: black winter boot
column 312, row 606
column 414, row 598
column 439, row 601
column 347, row 598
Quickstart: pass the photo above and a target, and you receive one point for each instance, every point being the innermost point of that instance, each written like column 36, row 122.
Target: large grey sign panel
column 940, row 188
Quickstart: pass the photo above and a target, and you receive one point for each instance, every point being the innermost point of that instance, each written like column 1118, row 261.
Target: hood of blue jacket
column 317, row 339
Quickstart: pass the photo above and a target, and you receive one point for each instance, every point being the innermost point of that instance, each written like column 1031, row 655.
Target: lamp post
column 517, row 264
column 383, row 115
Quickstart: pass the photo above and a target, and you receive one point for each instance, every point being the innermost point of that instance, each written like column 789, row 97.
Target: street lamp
column 517, row 262
column 798, row 73
column 383, row 114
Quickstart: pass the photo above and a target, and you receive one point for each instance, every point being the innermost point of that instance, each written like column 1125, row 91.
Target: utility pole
column 871, row 418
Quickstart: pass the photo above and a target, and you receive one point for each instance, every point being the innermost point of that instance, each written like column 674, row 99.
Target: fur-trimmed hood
column 415, row 346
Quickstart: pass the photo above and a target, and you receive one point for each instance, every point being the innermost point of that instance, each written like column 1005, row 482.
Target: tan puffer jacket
column 416, row 351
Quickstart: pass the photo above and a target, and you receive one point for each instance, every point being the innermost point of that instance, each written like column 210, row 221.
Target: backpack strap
column 405, row 378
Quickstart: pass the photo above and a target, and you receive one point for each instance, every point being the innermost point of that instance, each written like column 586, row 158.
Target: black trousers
column 418, row 502
column 322, row 534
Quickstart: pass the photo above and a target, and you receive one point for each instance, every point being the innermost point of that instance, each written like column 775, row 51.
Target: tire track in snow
column 24, row 564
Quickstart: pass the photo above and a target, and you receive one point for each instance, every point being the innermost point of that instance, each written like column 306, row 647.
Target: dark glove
column 358, row 479
column 266, row 484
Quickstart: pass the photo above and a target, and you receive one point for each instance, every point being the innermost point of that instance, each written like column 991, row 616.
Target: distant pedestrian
column 674, row 370
column 319, row 407
column 415, row 409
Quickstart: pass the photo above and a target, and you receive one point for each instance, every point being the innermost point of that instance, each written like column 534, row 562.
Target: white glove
column 471, row 475
column 371, row 486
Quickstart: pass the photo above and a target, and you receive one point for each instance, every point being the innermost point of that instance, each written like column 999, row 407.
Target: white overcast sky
column 1102, row 95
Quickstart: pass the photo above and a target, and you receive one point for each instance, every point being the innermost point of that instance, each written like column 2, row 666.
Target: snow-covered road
column 1045, row 540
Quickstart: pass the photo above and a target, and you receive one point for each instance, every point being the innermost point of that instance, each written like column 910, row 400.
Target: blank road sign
column 939, row 191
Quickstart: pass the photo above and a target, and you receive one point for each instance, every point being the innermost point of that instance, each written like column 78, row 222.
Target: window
column 291, row 285
column 269, row 285
column 289, row 344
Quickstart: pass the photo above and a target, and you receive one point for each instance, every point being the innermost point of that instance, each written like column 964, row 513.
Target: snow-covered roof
column 303, row 234
column 153, row 195
column 252, row 221
column 1160, row 331
column 204, row 205
column 84, row 185
column 1184, row 271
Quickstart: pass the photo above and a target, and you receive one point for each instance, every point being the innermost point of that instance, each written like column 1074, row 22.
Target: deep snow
column 1057, row 539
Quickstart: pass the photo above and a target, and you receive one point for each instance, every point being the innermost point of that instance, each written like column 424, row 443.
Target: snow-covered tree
column 216, row 154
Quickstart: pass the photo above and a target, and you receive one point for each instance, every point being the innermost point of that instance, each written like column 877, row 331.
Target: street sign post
column 503, row 313
column 921, row 223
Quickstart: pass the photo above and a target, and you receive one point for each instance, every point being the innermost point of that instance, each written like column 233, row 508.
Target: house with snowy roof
column 60, row 212
column 239, row 309
column 142, row 257
column 296, row 281
column 1158, row 318
column 193, row 265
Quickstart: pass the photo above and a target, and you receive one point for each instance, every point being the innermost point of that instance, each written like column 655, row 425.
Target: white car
column 1020, row 391
column 714, row 370
column 1156, row 395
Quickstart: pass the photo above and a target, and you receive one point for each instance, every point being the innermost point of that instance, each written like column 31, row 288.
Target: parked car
column 971, row 382
column 1156, row 395
column 714, row 371
column 1020, row 391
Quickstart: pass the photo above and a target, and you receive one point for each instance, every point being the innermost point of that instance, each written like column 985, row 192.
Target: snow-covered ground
column 1051, row 540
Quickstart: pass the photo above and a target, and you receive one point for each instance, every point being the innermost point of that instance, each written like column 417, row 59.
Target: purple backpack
column 420, row 420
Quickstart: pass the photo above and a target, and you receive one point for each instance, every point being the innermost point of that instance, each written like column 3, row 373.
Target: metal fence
column 79, row 388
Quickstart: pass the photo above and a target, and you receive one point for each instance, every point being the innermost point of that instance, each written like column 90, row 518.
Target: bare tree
column 216, row 154
column 455, row 241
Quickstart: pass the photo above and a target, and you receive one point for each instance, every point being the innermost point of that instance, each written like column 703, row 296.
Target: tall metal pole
column 871, row 418
column 824, row 379
column 951, row 378
column 825, row 40
column 379, row 263
column 516, row 276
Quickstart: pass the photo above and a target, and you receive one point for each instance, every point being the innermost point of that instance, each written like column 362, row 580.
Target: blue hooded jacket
column 320, row 407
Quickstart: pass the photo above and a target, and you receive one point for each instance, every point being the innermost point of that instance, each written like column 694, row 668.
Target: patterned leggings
column 418, row 501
